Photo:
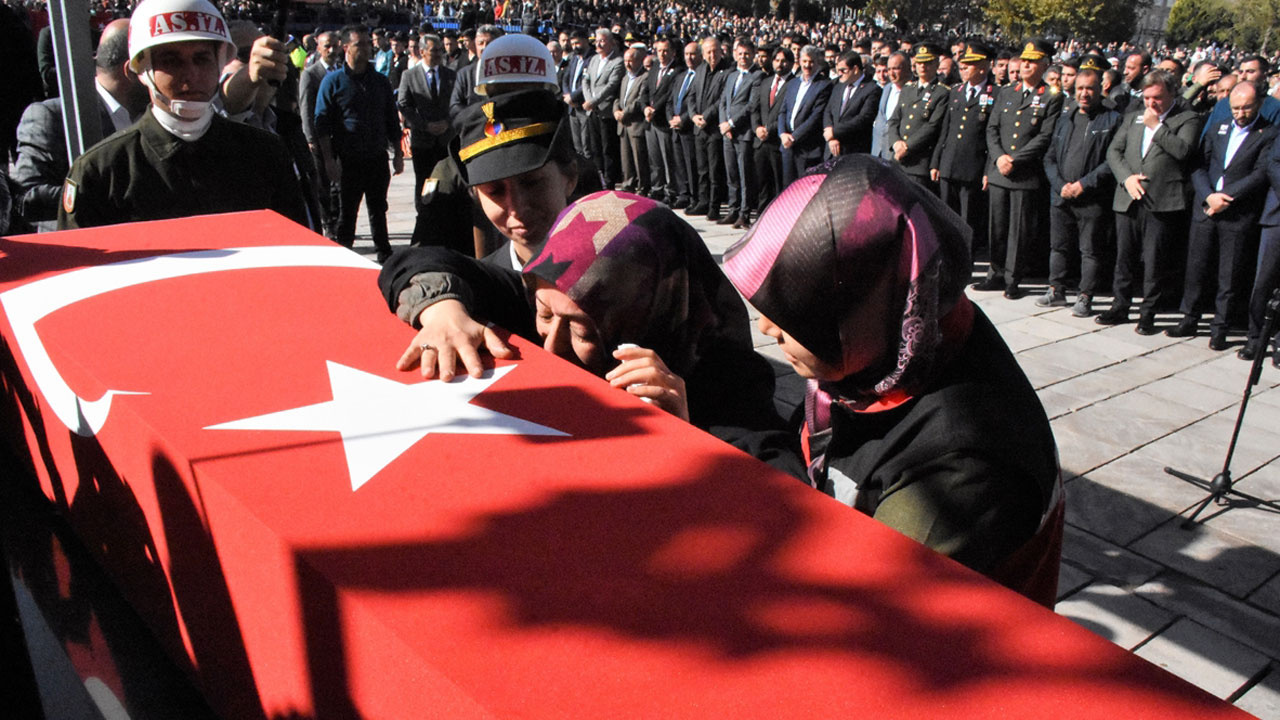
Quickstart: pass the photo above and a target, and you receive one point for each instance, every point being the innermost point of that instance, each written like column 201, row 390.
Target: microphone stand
column 1220, row 488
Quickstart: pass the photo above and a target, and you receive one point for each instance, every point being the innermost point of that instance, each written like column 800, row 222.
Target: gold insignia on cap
column 505, row 137
column 1031, row 53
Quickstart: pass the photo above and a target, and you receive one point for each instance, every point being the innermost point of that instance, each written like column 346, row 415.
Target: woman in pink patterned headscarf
column 916, row 411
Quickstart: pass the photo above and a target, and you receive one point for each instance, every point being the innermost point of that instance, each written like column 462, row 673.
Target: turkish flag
column 213, row 403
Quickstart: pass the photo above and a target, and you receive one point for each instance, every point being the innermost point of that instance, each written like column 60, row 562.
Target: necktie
column 773, row 91
column 431, row 80
column 688, row 78
column 848, row 91
column 972, row 91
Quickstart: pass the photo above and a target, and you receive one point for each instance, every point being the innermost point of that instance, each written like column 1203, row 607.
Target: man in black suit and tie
column 1150, row 157
column 1230, row 182
column 709, row 152
column 684, row 100
column 764, row 118
column 959, row 161
column 659, row 86
column 852, row 109
column 423, row 102
column 735, row 128
column 42, row 163
column 1080, row 191
column 1018, row 135
column 800, row 121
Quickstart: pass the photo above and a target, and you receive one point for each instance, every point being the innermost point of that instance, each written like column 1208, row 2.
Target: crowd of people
column 550, row 172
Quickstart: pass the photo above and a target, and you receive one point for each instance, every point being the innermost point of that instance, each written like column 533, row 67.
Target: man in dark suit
column 852, row 109
column 1150, row 158
column 1230, row 182
column 800, row 120
column 628, row 113
column 42, row 163
column 916, row 124
column 1080, row 191
column 684, row 97
column 658, row 88
column 1018, row 134
column 571, row 88
column 735, row 128
column 1267, row 277
column 464, row 87
column 764, row 118
column 423, row 102
column 709, row 153
column 959, row 160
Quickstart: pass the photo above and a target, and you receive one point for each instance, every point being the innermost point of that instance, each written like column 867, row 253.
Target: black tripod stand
column 1220, row 487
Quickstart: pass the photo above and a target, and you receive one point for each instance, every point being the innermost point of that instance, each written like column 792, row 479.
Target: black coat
column 1098, row 182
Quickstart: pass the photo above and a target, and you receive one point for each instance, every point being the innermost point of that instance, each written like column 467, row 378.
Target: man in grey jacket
column 600, row 89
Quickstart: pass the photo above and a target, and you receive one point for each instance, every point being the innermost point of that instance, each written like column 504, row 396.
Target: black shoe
column 1114, row 316
column 1218, row 340
column 729, row 219
column 1250, row 350
column 1014, row 291
column 383, row 256
column 989, row 285
column 1186, row 327
column 713, row 215
column 742, row 224
column 698, row 209
column 678, row 203
column 1146, row 325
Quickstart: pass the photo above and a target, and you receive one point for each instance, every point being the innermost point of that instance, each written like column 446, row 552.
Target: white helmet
column 516, row 58
column 158, row 22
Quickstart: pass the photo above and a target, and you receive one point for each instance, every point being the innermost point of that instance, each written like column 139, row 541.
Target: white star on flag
column 379, row 419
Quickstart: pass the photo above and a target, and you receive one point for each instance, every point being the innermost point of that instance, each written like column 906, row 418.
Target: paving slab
column 1105, row 560
column 1242, row 621
column 1206, row 399
column 1216, row 663
column 1087, row 389
column 1115, row 614
column 1225, row 561
column 1071, row 579
column 1042, row 327
column 1126, row 499
column 1263, row 699
column 1267, row 597
column 1070, row 358
column 1079, row 451
column 1107, row 346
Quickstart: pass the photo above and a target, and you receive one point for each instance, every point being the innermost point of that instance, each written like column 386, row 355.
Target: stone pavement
column 1203, row 603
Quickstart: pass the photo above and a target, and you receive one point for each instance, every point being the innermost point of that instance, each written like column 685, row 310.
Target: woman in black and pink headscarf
column 622, row 287
column 916, row 411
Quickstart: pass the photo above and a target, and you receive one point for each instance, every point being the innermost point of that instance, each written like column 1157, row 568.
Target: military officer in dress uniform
column 916, row 124
column 1018, row 136
column 960, row 158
